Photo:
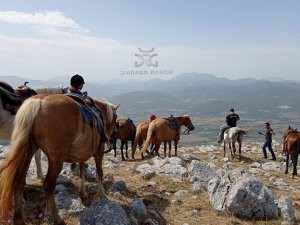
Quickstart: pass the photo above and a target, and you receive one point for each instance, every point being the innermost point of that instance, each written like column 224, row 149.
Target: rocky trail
column 198, row 187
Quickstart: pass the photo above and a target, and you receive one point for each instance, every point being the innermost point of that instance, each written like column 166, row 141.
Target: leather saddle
column 14, row 98
column 91, row 113
column 173, row 124
column 130, row 124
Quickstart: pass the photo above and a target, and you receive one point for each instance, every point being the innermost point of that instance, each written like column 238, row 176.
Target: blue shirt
column 76, row 92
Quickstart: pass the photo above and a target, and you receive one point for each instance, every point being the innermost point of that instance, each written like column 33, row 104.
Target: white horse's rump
column 231, row 136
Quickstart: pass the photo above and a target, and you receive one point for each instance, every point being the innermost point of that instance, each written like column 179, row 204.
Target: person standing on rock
column 231, row 121
column 268, row 141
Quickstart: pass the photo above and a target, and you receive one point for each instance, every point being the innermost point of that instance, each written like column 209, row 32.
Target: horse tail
column 18, row 156
column 136, row 139
column 149, row 137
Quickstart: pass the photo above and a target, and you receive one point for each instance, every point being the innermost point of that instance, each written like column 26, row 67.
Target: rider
column 77, row 83
column 231, row 120
column 152, row 117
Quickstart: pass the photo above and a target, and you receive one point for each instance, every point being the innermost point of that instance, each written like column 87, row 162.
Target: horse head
column 186, row 121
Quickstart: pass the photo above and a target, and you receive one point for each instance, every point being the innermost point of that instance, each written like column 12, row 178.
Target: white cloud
column 61, row 47
column 45, row 19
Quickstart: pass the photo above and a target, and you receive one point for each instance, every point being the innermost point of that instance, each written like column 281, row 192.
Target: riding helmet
column 77, row 80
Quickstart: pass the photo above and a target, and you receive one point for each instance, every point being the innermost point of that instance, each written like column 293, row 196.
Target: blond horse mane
column 109, row 107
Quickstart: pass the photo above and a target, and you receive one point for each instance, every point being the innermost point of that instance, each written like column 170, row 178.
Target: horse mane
column 109, row 107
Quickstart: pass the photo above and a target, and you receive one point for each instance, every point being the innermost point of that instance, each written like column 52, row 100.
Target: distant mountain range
column 194, row 93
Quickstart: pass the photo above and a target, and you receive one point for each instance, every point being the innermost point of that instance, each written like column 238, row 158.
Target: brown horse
column 141, row 136
column 125, row 131
column 159, row 131
column 54, row 124
column 291, row 146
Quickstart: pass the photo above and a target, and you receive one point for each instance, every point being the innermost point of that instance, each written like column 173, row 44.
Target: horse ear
column 290, row 126
column 117, row 106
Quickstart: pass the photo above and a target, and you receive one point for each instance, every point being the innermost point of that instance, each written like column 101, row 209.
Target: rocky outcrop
column 244, row 196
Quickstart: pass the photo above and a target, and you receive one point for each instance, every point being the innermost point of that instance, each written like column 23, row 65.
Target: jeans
column 223, row 128
column 268, row 144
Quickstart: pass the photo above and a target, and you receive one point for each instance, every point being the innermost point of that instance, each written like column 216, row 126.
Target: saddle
column 172, row 122
column 226, row 130
column 91, row 113
column 130, row 124
column 14, row 98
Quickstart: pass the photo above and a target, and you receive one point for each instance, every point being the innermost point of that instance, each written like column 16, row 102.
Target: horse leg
column 98, row 160
column 126, row 144
column 295, row 161
column 38, row 159
column 165, row 149
column 224, row 148
column 54, row 169
column 175, row 146
column 18, row 188
column 115, row 147
column 234, row 148
column 83, row 192
column 122, row 147
column 287, row 164
column 157, row 146
column 240, row 150
column 170, row 149
column 230, row 148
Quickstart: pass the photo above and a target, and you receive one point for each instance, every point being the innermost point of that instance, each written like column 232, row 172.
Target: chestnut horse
column 141, row 136
column 159, row 131
column 291, row 146
column 125, row 131
column 54, row 124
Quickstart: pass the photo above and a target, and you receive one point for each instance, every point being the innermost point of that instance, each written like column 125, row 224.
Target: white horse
column 7, row 123
column 231, row 136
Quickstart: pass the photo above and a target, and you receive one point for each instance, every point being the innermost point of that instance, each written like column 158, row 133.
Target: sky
column 99, row 39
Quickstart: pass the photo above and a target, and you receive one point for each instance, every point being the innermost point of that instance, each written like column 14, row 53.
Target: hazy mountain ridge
column 193, row 93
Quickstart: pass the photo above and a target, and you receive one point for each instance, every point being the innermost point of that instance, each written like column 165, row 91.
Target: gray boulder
column 67, row 203
column 189, row 157
column 119, row 186
column 199, row 187
column 176, row 161
column 176, row 172
column 200, row 171
column 146, row 170
column 138, row 208
column 104, row 212
column 285, row 206
column 244, row 196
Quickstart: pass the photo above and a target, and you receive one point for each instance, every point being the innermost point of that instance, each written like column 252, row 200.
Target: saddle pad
column 131, row 124
column 172, row 123
column 10, row 98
